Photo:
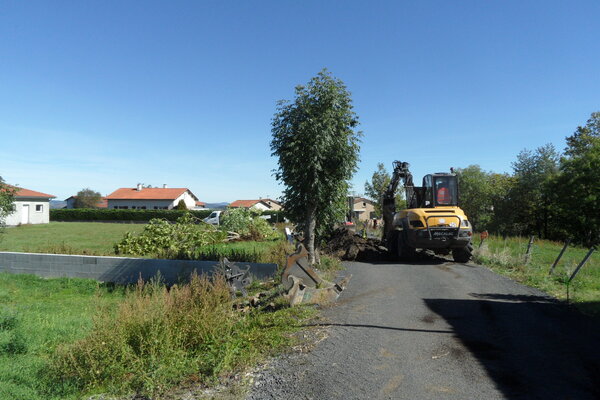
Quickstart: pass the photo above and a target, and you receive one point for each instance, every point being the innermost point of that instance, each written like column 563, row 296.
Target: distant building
column 200, row 205
column 260, row 204
column 102, row 203
column 363, row 209
column 142, row 198
column 31, row 208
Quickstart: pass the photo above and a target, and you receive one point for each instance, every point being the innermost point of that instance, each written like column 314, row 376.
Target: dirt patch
column 346, row 245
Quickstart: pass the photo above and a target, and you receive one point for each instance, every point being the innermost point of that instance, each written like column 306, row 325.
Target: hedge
column 103, row 214
column 92, row 214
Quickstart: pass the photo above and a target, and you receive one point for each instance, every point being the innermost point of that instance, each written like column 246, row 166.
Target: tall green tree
column 375, row 189
column 577, row 187
column 533, row 171
column 7, row 202
column 317, row 145
column 87, row 198
column 475, row 195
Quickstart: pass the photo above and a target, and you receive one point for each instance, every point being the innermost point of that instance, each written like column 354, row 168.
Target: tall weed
column 160, row 337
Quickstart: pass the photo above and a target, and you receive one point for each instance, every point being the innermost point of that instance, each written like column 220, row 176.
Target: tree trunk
column 309, row 234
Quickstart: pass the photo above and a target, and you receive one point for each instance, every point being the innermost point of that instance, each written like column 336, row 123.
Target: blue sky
column 107, row 94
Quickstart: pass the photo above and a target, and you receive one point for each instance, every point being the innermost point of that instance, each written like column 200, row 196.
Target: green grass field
column 506, row 256
column 37, row 315
column 93, row 238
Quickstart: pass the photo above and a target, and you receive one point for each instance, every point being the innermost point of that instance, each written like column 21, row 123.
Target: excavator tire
column 463, row 255
column 403, row 250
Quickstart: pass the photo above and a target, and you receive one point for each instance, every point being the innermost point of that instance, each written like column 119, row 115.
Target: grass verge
column 36, row 316
column 71, row 338
column 91, row 238
column 507, row 257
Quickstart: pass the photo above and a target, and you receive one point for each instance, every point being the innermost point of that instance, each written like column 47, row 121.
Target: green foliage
column 576, row 190
column 181, row 205
column 7, row 206
column 87, row 198
column 159, row 338
column 375, row 189
column 317, row 146
column 482, row 194
column 121, row 215
column 163, row 239
column 248, row 224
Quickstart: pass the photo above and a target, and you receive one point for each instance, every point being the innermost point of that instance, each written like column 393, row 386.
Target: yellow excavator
column 432, row 220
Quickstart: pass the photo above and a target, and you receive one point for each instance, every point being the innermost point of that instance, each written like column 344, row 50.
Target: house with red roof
column 147, row 198
column 260, row 204
column 31, row 207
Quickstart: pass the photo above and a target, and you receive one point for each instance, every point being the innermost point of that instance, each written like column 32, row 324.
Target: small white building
column 260, row 204
column 142, row 198
column 31, row 207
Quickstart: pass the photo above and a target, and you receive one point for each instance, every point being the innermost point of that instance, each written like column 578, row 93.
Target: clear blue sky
column 107, row 94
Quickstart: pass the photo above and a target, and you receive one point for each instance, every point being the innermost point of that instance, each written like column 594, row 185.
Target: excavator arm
column 401, row 172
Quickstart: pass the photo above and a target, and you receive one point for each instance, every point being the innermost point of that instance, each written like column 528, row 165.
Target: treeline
column 552, row 195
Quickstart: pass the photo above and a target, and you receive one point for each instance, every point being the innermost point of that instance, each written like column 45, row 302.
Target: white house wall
column 35, row 217
column 189, row 200
column 149, row 204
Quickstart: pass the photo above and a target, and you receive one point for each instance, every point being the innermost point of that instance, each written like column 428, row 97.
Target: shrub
column 248, row 224
column 173, row 241
column 159, row 338
column 121, row 215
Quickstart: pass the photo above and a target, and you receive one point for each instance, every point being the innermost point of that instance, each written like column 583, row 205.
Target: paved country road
column 441, row 331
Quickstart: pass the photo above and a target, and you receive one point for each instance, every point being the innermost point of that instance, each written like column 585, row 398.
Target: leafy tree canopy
column 317, row 146
column 87, row 198
column 7, row 201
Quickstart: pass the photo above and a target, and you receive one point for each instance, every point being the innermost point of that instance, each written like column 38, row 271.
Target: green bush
column 163, row 239
column 159, row 338
column 82, row 214
column 248, row 224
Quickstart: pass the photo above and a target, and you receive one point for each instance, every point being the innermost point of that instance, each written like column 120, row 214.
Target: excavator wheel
column 403, row 249
column 463, row 255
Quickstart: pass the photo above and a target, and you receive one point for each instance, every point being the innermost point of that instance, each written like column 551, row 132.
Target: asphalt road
column 440, row 331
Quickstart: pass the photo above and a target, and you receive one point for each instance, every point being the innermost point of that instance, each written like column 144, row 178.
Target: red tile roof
column 200, row 203
column 245, row 203
column 147, row 194
column 22, row 192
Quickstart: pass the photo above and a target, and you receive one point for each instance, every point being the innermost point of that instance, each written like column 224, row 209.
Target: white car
column 214, row 218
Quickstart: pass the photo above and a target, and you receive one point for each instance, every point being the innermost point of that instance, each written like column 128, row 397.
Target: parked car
column 214, row 218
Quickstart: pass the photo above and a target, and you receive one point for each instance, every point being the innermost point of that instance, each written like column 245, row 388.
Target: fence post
column 559, row 256
column 528, row 252
column 581, row 264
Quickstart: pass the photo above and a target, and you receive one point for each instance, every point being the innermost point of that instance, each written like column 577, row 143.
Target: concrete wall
column 120, row 270
column 35, row 217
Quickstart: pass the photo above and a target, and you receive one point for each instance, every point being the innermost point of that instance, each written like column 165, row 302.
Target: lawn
column 93, row 238
column 36, row 315
column 506, row 256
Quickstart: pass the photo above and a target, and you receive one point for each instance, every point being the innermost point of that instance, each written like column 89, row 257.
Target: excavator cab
column 441, row 190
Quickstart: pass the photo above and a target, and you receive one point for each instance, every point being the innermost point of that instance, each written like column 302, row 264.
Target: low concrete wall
column 121, row 270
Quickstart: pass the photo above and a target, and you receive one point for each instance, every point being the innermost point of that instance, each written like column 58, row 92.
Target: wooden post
column 581, row 264
column 528, row 252
column 559, row 256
